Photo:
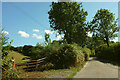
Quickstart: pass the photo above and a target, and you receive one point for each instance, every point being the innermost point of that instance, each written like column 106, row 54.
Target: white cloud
column 60, row 37
column 37, row 36
column 57, row 33
column 5, row 32
column 115, row 40
column 49, row 32
column 89, row 34
column 23, row 34
column 36, row 30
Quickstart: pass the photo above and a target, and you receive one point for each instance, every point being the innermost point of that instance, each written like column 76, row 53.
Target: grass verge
column 60, row 73
column 75, row 70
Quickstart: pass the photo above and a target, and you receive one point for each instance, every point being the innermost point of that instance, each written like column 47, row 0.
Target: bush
column 59, row 55
column 46, row 66
column 111, row 53
column 37, row 53
column 86, row 53
column 12, row 48
column 10, row 71
column 27, row 50
column 93, row 52
column 66, row 56
column 19, row 49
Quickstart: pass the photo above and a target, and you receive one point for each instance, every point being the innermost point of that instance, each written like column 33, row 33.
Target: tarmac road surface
column 97, row 69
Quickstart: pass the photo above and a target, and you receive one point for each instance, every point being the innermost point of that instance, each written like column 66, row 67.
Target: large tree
column 93, row 42
column 104, row 25
column 69, row 18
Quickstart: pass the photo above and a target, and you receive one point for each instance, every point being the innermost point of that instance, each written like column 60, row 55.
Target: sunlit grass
column 17, row 56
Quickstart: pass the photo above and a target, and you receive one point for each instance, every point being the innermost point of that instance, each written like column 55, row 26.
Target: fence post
column 13, row 60
column 37, row 64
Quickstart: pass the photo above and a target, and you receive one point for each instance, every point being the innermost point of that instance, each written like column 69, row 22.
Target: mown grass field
column 17, row 56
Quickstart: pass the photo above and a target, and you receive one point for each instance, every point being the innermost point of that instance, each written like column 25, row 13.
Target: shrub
column 33, row 52
column 51, row 48
column 19, row 49
column 12, row 48
column 59, row 55
column 111, row 53
column 10, row 71
column 66, row 56
column 27, row 50
column 46, row 66
column 86, row 53
column 37, row 53
column 93, row 52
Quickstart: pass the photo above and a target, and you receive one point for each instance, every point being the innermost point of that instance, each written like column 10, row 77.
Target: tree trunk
column 107, row 43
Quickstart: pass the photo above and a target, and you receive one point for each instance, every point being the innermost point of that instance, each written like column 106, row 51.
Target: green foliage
column 36, row 53
column 93, row 42
column 104, row 25
column 69, row 18
column 111, row 53
column 27, row 50
column 93, row 52
column 11, row 72
column 66, row 56
column 5, row 52
column 3, row 37
column 46, row 66
column 50, row 49
column 86, row 53
column 7, row 64
column 47, row 39
column 60, row 55
column 18, row 49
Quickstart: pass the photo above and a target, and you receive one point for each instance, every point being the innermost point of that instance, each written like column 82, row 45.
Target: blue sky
column 27, row 22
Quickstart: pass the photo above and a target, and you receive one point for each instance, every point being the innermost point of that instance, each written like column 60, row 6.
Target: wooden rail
column 31, row 64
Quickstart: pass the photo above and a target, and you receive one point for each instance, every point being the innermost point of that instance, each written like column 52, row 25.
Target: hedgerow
column 67, row 55
column 60, row 55
column 111, row 53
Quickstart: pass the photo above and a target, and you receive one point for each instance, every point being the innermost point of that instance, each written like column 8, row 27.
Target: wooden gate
column 32, row 64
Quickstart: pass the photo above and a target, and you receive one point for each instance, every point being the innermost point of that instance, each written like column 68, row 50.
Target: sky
column 27, row 22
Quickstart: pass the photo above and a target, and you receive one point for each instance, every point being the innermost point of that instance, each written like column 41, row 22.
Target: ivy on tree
column 69, row 18
column 104, row 25
column 47, row 39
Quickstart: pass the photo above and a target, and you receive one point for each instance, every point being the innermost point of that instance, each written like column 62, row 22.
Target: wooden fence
column 31, row 64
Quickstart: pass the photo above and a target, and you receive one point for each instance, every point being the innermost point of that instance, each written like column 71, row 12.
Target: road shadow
column 92, row 59
column 104, row 61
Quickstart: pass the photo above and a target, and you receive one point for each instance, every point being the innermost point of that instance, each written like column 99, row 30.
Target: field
column 18, row 57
